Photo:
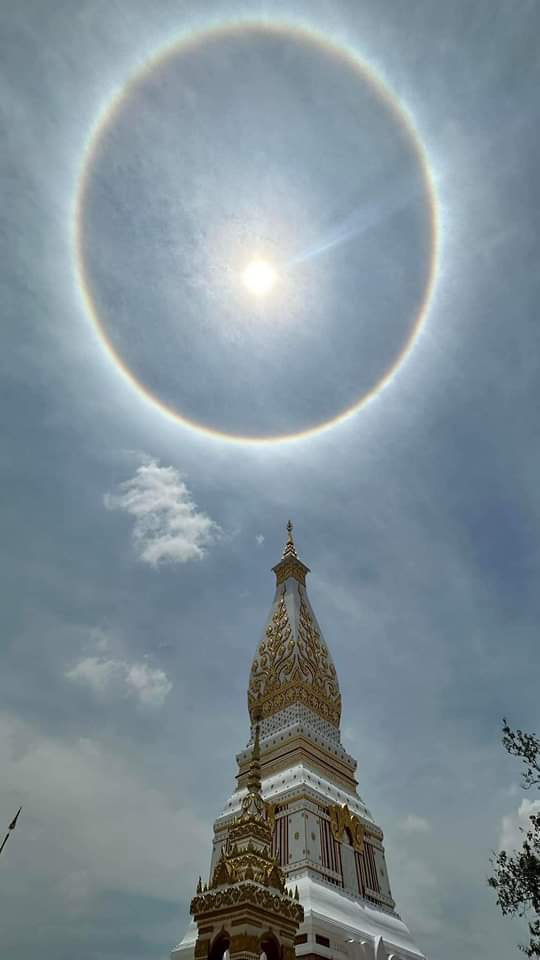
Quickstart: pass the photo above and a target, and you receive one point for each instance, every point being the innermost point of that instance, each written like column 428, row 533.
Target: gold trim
column 301, row 749
column 271, row 815
column 342, row 819
column 245, row 943
column 202, row 948
column 290, row 567
column 287, row 671
column 278, row 905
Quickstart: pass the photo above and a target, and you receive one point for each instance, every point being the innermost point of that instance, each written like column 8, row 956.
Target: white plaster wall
column 330, row 911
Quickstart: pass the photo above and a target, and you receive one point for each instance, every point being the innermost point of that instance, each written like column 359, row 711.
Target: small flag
column 14, row 821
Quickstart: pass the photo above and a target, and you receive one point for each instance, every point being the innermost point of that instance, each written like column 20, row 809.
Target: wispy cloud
column 515, row 825
column 106, row 677
column 414, row 824
column 260, row 539
column 169, row 528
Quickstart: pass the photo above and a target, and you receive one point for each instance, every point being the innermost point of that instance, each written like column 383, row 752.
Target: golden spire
column 290, row 565
column 290, row 550
column 253, row 806
column 254, row 775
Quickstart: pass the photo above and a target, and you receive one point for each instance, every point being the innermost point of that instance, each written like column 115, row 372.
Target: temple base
column 336, row 927
column 342, row 927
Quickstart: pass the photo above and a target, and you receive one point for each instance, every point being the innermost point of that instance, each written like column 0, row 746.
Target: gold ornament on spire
column 254, row 775
column 342, row 819
column 290, row 565
column 289, row 550
column 246, row 855
column 292, row 664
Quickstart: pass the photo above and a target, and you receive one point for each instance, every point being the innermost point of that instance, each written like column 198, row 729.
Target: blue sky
column 137, row 552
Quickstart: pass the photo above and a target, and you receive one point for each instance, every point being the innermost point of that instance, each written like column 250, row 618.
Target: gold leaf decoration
column 342, row 819
column 287, row 671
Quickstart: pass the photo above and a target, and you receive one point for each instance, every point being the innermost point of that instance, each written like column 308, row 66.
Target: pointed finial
column 290, row 550
column 296, row 894
column 199, row 886
column 290, row 565
column 254, row 776
column 13, row 823
column 11, row 827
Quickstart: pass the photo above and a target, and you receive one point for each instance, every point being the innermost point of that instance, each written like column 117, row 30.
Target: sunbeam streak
column 365, row 215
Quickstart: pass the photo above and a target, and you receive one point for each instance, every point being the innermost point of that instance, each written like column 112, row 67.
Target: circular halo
column 400, row 113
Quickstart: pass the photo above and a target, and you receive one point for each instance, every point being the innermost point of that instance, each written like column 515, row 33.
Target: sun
column 259, row 277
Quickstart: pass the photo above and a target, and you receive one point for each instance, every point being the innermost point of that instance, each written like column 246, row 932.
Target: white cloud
column 414, row 824
column 149, row 685
column 260, row 538
column 168, row 526
column 515, row 825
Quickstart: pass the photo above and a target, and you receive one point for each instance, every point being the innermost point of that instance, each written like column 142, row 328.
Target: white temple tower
column 323, row 836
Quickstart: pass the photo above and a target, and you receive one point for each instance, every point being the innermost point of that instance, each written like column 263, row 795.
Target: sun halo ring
column 106, row 117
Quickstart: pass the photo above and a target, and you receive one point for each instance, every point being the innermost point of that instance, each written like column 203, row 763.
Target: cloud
column 260, row 538
column 515, row 825
column 149, row 685
column 101, row 639
column 93, row 821
column 414, row 824
column 419, row 899
column 168, row 526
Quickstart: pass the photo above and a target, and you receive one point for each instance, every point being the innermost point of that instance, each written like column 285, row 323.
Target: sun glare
column 259, row 277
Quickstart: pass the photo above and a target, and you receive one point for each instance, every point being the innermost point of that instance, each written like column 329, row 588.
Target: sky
column 383, row 158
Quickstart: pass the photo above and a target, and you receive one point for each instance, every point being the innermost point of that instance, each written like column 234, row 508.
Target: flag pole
column 11, row 827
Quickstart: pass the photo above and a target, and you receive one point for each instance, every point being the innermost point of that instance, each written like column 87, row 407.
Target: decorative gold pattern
column 290, row 549
column 342, row 819
column 201, row 948
column 247, row 893
column 246, row 854
column 287, row 671
column 245, row 943
column 271, row 815
column 236, row 865
column 241, row 830
column 290, row 565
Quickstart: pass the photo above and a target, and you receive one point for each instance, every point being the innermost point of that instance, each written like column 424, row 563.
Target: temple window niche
column 270, row 948
column 220, row 948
